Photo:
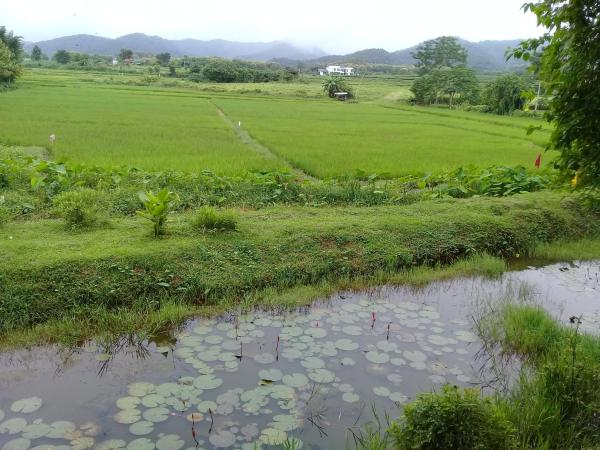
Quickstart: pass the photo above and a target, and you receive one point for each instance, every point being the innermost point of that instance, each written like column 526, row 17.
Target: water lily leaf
column 60, row 429
column 295, row 380
column 286, row 422
column 346, row 344
column 381, row 391
column 170, row 442
column 141, row 389
column 127, row 416
column 141, row 428
column 222, row 438
column 206, row 405
column 202, row 330
column 316, row 333
column 415, row 356
column 398, row 397
column 111, row 444
column 270, row 374
column 321, row 376
column 377, row 357
column 159, row 414
column 273, row 436
column 82, row 443
column 350, row 397
column 141, row 444
column 13, row 426
column 346, row 388
column 264, row 358
column 207, row 382
column 195, row 417
column 153, row 400
column 26, row 405
column 466, row 336
column 312, row 363
column 36, row 430
column 347, row 362
column 128, row 402
column 17, row 444
column 352, row 330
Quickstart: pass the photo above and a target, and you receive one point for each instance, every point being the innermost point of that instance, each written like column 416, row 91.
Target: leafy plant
column 209, row 218
column 454, row 418
column 4, row 212
column 80, row 208
column 333, row 85
column 157, row 208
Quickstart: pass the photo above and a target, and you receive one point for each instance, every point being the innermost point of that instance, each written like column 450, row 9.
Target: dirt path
column 261, row 149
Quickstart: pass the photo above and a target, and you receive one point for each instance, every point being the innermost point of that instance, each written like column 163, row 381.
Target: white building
column 337, row 70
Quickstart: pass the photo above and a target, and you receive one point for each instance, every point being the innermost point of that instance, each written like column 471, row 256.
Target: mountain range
column 486, row 55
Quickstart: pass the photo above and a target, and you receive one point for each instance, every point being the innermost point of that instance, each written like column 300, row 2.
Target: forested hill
column 485, row 55
column 142, row 43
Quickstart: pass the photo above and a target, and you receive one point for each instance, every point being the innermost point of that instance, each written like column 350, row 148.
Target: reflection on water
column 311, row 376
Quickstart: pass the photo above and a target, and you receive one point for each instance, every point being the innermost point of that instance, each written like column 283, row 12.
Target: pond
column 310, row 377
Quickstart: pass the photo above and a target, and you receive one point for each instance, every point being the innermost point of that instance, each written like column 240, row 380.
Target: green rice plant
column 157, row 208
column 208, row 218
column 80, row 208
column 453, row 418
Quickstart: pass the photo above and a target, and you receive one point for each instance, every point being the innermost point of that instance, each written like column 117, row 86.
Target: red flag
column 538, row 161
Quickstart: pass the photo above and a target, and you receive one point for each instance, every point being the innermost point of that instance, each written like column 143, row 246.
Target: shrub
column 157, row 208
column 80, row 208
column 208, row 218
column 454, row 418
column 4, row 215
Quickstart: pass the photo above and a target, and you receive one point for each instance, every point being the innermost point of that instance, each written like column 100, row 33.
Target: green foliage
column 5, row 214
column 62, row 57
column 163, row 58
column 125, row 54
column 454, row 418
column 157, row 208
column 446, row 85
column 81, row 208
column 10, row 69
column 505, row 94
column 231, row 71
column 36, row 53
column 14, row 43
column 556, row 402
column 495, row 182
column 444, row 51
column 335, row 84
column 569, row 69
column 208, row 218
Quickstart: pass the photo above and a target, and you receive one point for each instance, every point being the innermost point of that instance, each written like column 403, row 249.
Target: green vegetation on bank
column 50, row 274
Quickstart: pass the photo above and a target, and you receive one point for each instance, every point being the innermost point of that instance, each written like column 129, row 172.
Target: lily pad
column 350, row 397
column 415, row 356
column 153, row 400
column 141, row 444
column 347, row 362
column 377, row 357
column 60, row 429
column 222, row 438
column 264, row 358
column 111, row 444
column 170, row 442
column 36, row 430
column 286, row 422
column 141, row 428
column 17, row 444
column 398, row 397
column 26, row 405
column 13, row 426
column 141, row 389
column 352, row 330
column 273, row 436
column 155, row 415
column 128, row 402
column 346, row 344
column 195, row 417
column 82, row 443
column 381, row 391
column 127, row 416
column 207, row 382
column 295, row 380
column 466, row 336
column 321, row 376
column 312, row 363
column 270, row 374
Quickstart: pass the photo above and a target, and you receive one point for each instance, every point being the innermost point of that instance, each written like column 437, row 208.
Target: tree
column 14, row 43
column 505, row 94
column 62, row 57
column 163, row 58
column 10, row 68
column 125, row 54
column 333, row 85
column 444, row 51
column 221, row 71
column 570, row 58
column 446, row 85
column 36, row 53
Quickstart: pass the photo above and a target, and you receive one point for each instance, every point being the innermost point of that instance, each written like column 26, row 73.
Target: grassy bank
column 117, row 274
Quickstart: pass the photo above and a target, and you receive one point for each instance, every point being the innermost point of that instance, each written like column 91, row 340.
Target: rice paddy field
column 109, row 120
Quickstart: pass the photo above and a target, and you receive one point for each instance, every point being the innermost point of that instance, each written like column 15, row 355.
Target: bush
column 157, row 208
column 4, row 215
column 208, row 218
column 80, row 208
column 454, row 418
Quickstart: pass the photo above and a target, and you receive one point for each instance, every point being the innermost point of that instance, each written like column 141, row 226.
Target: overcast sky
column 347, row 26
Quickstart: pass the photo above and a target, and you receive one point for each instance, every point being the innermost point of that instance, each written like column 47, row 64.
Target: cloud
column 389, row 24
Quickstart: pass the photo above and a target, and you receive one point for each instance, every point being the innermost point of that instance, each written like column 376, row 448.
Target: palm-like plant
column 14, row 43
column 157, row 208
